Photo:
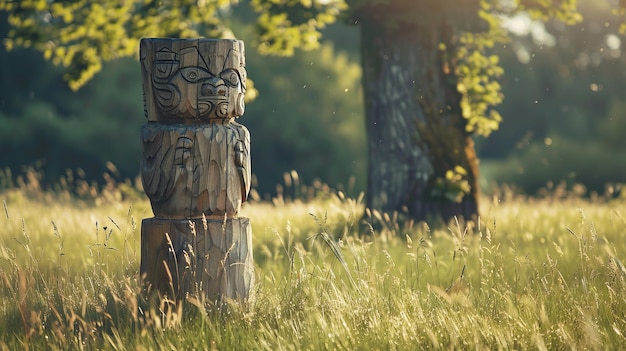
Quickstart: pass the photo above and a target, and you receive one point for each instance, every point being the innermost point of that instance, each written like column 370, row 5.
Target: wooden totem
column 195, row 169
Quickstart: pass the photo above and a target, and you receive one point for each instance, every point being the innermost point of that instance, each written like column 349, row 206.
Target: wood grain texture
column 192, row 80
column 212, row 257
column 195, row 169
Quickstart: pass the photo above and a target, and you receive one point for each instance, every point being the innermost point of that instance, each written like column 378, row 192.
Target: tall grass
column 531, row 274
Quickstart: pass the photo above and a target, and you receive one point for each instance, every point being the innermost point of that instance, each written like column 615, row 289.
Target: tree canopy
column 80, row 35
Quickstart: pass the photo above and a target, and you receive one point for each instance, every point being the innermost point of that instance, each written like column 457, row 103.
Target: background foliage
column 563, row 109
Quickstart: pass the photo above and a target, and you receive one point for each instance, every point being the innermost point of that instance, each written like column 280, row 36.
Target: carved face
column 221, row 95
column 198, row 80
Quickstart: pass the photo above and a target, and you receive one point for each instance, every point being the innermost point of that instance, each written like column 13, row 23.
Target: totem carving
column 195, row 169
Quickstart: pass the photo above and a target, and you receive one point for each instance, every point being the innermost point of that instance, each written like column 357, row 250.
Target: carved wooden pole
column 195, row 169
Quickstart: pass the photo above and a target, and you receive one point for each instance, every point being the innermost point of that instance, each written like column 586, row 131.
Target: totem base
column 209, row 258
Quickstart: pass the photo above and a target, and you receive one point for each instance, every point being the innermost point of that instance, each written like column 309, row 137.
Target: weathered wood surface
column 195, row 256
column 195, row 169
column 193, row 80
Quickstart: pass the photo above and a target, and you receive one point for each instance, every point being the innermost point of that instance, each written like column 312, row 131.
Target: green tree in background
column 308, row 118
column 313, row 98
column 82, row 34
column 564, row 87
column 429, row 83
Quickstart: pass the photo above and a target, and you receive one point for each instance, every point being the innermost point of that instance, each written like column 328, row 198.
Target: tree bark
column 416, row 132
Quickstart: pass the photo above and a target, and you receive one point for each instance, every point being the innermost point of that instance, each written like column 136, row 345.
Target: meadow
column 542, row 273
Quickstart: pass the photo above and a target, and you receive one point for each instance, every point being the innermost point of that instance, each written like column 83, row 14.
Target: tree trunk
column 416, row 132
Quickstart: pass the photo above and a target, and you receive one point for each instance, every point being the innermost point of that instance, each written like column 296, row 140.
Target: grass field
column 542, row 274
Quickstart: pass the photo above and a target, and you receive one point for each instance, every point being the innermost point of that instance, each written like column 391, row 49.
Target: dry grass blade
column 525, row 286
column 332, row 245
